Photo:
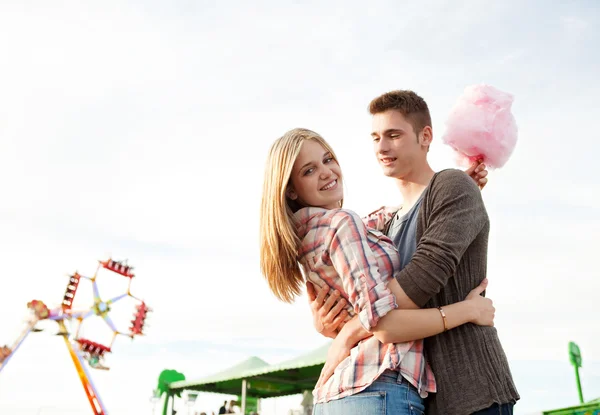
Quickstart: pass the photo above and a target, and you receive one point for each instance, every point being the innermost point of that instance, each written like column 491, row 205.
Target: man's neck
column 412, row 185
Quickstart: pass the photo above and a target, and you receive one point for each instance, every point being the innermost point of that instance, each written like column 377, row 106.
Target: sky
column 139, row 130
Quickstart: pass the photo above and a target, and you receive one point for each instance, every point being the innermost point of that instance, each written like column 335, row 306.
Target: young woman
column 305, row 233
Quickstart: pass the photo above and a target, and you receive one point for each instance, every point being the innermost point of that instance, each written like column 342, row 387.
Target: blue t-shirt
column 403, row 232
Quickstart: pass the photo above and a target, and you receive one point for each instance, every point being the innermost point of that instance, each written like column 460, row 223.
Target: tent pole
column 244, row 396
column 166, row 406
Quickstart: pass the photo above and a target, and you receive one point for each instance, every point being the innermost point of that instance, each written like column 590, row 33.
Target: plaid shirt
column 355, row 258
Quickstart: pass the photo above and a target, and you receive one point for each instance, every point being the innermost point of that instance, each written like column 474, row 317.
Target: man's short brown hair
column 412, row 106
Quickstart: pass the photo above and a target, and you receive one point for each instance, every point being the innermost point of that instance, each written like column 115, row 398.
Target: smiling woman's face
column 316, row 178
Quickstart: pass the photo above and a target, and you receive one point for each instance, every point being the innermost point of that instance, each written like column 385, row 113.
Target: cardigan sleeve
column 456, row 215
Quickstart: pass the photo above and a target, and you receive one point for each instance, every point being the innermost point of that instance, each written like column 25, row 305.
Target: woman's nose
column 326, row 173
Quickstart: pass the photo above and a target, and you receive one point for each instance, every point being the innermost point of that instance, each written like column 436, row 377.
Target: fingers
column 337, row 309
column 310, row 291
column 475, row 167
column 328, row 304
column 492, row 313
column 339, row 321
column 481, row 183
column 320, row 297
column 480, row 174
column 480, row 288
column 481, row 178
column 325, row 375
column 471, row 169
column 479, row 166
column 492, row 316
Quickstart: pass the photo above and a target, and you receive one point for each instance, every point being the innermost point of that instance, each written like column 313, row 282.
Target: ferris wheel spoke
column 117, row 298
column 82, row 314
column 96, row 291
column 110, row 323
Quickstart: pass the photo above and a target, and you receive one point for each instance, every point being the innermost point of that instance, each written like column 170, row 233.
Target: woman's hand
column 329, row 314
column 338, row 351
column 482, row 308
column 478, row 172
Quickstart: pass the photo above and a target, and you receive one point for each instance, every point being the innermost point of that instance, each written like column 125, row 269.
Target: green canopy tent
column 221, row 378
column 589, row 408
column 252, row 379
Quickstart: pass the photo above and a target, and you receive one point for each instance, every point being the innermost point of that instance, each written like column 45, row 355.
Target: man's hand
column 478, row 172
column 338, row 351
column 329, row 315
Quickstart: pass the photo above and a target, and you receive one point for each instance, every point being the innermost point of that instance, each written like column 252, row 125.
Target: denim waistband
column 390, row 376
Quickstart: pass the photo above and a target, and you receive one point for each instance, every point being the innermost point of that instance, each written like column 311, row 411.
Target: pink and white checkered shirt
column 351, row 255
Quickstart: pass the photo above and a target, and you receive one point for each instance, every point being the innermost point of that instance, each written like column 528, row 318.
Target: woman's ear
column 291, row 194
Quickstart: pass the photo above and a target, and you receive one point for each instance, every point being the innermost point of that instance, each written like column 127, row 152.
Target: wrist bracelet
column 444, row 318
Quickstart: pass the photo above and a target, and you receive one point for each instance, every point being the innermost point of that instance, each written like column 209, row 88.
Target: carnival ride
column 80, row 348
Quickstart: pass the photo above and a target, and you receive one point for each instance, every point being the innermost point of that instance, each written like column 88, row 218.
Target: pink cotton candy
column 481, row 126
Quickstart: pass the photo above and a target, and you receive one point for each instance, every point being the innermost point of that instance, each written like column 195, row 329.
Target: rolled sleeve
column 370, row 315
column 358, row 267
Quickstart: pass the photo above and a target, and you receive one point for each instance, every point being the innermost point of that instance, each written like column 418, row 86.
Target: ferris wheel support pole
column 86, row 381
column 18, row 342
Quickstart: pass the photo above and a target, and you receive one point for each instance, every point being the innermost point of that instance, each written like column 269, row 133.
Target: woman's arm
column 404, row 325
column 350, row 254
column 399, row 325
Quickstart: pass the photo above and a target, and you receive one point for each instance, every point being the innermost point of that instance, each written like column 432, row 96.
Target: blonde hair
column 279, row 242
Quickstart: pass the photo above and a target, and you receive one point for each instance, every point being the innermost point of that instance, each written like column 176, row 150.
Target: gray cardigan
column 469, row 364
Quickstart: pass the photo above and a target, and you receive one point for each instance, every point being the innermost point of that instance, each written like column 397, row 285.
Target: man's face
column 399, row 150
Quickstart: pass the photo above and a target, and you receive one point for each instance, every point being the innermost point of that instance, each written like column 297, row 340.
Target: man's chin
column 388, row 171
column 393, row 173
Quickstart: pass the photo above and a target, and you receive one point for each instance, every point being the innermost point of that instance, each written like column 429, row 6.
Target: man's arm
column 456, row 215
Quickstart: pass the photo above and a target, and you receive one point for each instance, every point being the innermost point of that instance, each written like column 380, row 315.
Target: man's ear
column 291, row 194
column 426, row 136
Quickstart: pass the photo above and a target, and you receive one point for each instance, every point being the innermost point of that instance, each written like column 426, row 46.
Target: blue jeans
column 496, row 409
column 389, row 394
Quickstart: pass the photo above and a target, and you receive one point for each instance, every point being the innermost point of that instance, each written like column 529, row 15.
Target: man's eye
column 375, row 139
column 394, row 135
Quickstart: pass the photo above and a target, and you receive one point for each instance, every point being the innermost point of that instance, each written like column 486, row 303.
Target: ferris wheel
column 84, row 350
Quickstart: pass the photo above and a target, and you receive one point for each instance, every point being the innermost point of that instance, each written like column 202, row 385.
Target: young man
column 441, row 232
